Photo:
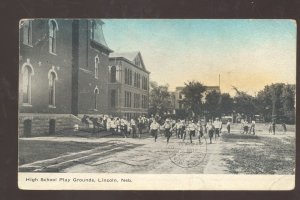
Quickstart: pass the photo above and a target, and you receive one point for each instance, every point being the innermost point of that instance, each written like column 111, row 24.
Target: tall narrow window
column 52, row 36
column 27, row 72
column 93, row 29
column 27, row 32
column 129, row 99
column 113, row 74
column 130, row 77
column 125, row 102
column 113, row 98
column 96, row 92
column 135, row 79
column 52, row 79
column 147, row 83
column 97, row 67
column 126, row 76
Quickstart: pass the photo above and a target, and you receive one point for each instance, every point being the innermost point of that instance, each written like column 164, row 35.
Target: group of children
column 272, row 127
column 157, row 125
column 182, row 128
column 115, row 125
column 245, row 127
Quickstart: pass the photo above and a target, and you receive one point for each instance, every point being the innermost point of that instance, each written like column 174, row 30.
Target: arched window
column 113, row 74
column 93, row 29
column 52, row 36
column 97, row 67
column 27, row 32
column 96, row 92
column 27, row 73
column 52, row 79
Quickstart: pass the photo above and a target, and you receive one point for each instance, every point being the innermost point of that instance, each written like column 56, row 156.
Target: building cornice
column 129, row 62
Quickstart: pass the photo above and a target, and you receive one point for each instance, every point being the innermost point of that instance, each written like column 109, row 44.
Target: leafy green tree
column 263, row 103
column 226, row 106
column 288, row 98
column 218, row 104
column 277, row 100
column 193, row 94
column 288, row 103
column 244, row 103
column 213, row 104
column 159, row 99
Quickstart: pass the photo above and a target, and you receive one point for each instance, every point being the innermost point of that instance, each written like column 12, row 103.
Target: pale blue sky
column 247, row 53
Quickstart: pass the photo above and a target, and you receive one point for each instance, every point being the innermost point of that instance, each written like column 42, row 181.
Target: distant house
column 128, row 85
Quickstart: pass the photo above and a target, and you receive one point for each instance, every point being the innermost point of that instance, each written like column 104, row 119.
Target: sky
column 248, row 54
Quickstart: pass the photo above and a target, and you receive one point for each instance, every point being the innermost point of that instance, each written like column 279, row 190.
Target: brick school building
column 64, row 72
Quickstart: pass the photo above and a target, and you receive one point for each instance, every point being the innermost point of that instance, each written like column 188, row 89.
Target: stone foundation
column 40, row 124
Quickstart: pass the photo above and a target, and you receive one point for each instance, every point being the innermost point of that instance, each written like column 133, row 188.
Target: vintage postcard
column 157, row 104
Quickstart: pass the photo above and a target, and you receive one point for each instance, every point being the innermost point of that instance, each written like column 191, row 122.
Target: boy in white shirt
column 218, row 127
column 168, row 126
column 154, row 129
column 228, row 126
column 210, row 129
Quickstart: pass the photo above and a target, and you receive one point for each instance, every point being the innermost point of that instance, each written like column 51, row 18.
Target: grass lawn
column 260, row 155
column 31, row 151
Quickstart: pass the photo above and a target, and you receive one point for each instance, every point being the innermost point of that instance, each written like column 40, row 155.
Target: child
column 168, row 126
column 228, row 126
column 154, row 129
column 210, row 128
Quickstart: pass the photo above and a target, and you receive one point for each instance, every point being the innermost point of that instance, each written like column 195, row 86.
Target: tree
column 277, row 101
column 217, row 104
column 159, row 99
column 264, row 103
column 213, row 104
column 244, row 103
column 226, row 106
column 193, row 94
column 288, row 102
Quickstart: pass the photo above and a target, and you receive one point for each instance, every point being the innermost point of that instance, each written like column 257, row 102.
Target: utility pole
column 274, row 105
column 220, row 82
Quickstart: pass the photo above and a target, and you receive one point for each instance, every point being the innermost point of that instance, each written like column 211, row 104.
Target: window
column 130, row 77
column 96, row 92
column 27, row 73
column 136, row 100
column 127, row 99
column 52, row 89
column 27, row 33
column 27, row 127
column 113, row 74
column 144, row 83
column 138, row 81
column 96, row 67
column 93, row 29
column 52, row 36
column 134, row 79
column 126, row 78
column 144, row 101
column 113, row 98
